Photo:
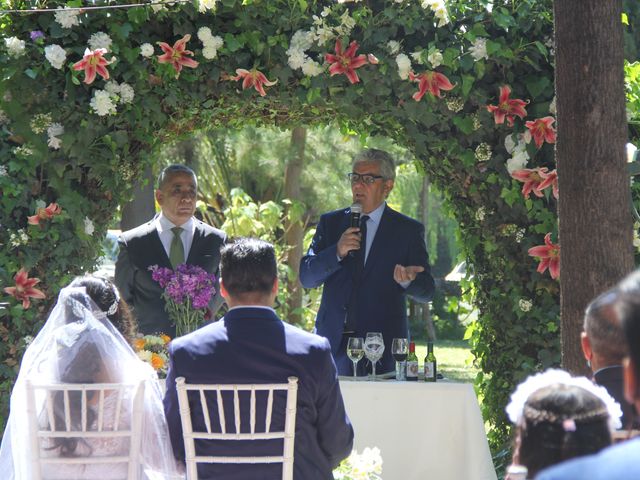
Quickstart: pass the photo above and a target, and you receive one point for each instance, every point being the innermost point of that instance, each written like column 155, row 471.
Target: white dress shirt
column 164, row 226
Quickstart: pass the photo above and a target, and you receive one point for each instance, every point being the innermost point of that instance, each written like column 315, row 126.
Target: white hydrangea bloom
column 126, row 93
column 404, row 66
column 480, row 214
column 525, row 304
column 509, row 143
column 112, row 87
column 204, row 34
column 146, row 50
column 3, row 118
column 393, row 46
column 439, row 9
column 3, row 172
column 296, row 58
column 301, row 40
column 478, row 49
column 205, row 5
column 88, row 226
column 322, row 35
column 157, row 6
column 67, row 18
column 552, row 106
column 56, row 55
column 417, row 57
column 312, row 68
column 346, row 23
column 102, row 104
column 54, row 130
column 518, row 161
column 100, row 40
column 435, row 58
column 209, row 52
column 15, row 46
column 215, row 42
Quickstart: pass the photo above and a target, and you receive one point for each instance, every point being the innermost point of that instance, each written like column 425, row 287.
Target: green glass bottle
column 412, row 363
column 430, row 364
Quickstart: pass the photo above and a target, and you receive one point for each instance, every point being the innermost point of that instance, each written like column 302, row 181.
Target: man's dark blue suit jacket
column 619, row 462
column 252, row 345
column 379, row 302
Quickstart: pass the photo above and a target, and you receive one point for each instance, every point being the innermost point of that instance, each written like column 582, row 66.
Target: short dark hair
column 628, row 308
column 171, row 170
column 248, row 265
column 602, row 326
column 544, row 440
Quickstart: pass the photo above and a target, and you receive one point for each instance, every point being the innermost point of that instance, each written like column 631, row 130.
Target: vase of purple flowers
column 187, row 292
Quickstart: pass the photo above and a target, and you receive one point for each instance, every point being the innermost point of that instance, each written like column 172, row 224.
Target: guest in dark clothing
column 604, row 349
column 250, row 344
column 621, row 461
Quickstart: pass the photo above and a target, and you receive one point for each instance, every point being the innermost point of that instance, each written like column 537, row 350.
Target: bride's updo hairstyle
column 107, row 298
column 559, row 417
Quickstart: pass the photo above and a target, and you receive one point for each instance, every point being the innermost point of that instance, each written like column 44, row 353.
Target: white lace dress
column 96, row 447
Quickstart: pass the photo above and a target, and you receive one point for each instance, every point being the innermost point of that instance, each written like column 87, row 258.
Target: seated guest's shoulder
column 306, row 339
column 619, row 462
column 210, row 332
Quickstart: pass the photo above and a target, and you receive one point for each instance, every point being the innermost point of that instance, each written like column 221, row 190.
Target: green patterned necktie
column 176, row 251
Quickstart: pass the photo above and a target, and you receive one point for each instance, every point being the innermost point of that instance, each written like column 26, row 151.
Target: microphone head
column 356, row 208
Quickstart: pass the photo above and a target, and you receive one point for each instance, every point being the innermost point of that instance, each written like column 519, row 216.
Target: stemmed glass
column 373, row 349
column 399, row 350
column 355, row 352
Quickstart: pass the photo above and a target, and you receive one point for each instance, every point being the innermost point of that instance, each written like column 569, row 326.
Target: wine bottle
column 430, row 364
column 412, row 363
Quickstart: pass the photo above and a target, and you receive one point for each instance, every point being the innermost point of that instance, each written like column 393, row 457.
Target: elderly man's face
column 370, row 196
column 177, row 197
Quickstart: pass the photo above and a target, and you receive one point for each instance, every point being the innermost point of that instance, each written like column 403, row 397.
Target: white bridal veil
column 78, row 344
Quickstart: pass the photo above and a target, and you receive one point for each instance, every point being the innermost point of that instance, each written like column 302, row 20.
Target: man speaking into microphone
column 369, row 258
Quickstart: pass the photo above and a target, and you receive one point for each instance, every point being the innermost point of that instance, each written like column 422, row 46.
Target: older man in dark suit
column 621, row 461
column 367, row 271
column 250, row 344
column 171, row 238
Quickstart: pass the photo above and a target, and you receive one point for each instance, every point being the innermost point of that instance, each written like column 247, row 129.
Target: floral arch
column 86, row 94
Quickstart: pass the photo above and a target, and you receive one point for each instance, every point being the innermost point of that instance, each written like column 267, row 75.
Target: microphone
column 356, row 210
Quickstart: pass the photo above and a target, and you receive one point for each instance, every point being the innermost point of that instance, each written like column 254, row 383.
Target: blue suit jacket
column 139, row 249
column 619, row 462
column 252, row 345
column 380, row 304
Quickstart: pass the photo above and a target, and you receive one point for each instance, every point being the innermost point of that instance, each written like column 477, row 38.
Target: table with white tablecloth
column 425, row 431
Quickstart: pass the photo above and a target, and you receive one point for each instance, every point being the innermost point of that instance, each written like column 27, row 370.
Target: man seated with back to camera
column 251, row 345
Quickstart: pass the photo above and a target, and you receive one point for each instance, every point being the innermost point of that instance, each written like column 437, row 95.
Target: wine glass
column 355, row 351
column 373, row 349
column 399, row 350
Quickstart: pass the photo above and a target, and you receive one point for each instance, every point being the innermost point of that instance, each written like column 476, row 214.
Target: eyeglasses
column 366, row 178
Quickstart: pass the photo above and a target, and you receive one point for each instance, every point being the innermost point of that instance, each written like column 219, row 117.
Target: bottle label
column 428, row 370
column 412, row 370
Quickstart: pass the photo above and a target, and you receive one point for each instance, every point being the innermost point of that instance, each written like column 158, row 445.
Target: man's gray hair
column 382, row 158
column 171, row 170
column 603, row 327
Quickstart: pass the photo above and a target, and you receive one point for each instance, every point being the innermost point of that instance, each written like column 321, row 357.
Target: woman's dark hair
column 560, row 422
column 105, row 294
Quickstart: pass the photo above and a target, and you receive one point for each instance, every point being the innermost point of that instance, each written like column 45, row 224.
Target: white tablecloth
column 425, row 431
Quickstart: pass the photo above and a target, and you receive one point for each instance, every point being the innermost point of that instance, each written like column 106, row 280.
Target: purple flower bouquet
column 187, row 292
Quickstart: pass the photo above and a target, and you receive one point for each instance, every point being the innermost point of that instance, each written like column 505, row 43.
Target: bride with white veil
column 78, row 344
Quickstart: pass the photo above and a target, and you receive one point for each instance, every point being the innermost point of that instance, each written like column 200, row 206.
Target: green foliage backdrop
column 478, row 45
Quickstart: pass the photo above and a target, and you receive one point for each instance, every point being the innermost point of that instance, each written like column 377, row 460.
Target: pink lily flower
column 532, row 179
column 24, row 288
column 178, row 55
column 550, row 178
column 93, row 63
column 431, row 82
column 549, row 255
column 253, row 78
column 346, row 62
column 45, row 214
column 541, row 130
column 507, row 107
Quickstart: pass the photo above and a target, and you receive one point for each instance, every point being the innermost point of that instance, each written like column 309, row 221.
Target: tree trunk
column 424, row 218
column 594, row 207
column 141, row 208
column 294, row 230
